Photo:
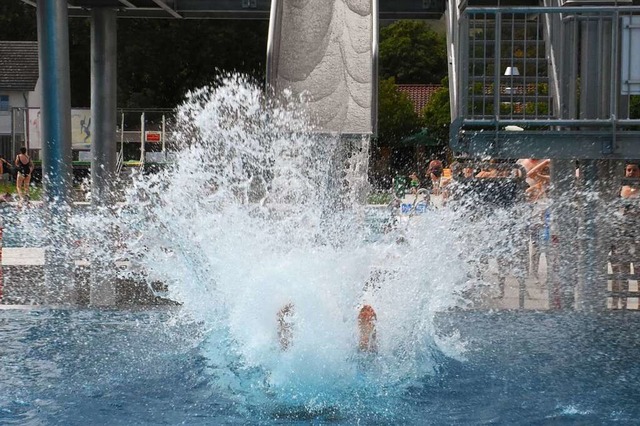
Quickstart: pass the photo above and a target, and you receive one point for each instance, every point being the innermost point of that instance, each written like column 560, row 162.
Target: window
column 4, row 103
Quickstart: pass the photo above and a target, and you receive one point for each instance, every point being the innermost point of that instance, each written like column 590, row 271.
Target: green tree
column 634, row 107
column 397, row 119
column 437, row 113
column 412, row 52
column 396, row 116
column 159, row 60
column 17, row 21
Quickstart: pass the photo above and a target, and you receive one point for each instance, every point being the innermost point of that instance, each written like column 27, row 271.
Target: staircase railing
column 562, row 74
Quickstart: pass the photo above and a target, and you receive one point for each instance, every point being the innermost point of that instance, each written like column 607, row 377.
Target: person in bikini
column 23, row 178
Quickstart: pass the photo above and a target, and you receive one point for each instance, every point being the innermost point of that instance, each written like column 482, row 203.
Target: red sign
column 152, row 136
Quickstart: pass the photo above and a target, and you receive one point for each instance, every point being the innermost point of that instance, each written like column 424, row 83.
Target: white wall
column 324, row 49
column 35, row 97
column 16, row 99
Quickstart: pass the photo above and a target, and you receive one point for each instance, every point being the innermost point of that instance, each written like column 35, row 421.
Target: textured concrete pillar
column 327, row 49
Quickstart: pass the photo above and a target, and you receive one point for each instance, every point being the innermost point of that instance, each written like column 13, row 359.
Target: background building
column 19, row 89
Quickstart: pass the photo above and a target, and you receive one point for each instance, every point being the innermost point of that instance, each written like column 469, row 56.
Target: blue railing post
column 53, row 38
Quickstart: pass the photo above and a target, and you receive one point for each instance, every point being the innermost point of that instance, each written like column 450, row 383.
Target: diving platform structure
column 554, row 79
column 564, row 73
column 236, row 9
column 327, row 50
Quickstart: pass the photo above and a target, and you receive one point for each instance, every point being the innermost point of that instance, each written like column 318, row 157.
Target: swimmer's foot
column 367, row 329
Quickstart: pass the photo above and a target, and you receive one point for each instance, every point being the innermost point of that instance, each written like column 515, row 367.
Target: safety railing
column 119, row 162
column 545, row 71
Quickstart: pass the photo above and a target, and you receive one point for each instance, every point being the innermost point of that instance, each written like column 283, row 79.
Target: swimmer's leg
column 285, row 326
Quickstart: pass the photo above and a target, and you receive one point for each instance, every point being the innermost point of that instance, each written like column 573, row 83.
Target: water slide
column 327, row 49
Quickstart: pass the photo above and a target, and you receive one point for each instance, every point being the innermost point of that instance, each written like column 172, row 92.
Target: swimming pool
column 148, row 367
column 264, row 232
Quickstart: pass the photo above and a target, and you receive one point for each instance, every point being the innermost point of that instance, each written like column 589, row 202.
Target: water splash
column 259, row 211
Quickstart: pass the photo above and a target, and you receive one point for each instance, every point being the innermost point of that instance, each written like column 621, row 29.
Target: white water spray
column 252, row 217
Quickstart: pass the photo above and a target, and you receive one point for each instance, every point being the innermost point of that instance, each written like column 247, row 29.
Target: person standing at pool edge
column 631, row 171
column 23, row 178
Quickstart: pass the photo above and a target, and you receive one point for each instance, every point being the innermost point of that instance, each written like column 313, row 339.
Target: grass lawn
column 380, row 197
column 10, row 188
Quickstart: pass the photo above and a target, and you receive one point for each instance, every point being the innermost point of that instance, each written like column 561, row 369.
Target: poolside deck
column 23, row 275
column 34, row 256
column 23, row 283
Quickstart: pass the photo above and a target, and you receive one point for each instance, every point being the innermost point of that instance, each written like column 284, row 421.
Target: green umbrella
column 422, row 138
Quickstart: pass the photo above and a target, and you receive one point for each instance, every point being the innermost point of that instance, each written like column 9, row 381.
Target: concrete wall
column 324, row 48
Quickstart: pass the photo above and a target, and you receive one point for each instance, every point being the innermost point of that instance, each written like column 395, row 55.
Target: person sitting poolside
column 434, row 173
column 414, row 183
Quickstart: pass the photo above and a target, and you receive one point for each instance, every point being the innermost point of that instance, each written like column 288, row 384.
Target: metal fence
column 139, row 132
column 548, row 70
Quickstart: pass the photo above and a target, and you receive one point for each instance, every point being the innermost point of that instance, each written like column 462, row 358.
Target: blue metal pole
column 53, row 38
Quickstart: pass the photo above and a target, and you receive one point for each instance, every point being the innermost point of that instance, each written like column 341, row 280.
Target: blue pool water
column 264, row 232
column 73, row 367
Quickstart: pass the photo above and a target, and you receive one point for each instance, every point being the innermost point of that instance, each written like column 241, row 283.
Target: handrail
column 490, row 10
column 453, row 43
column 119, row 162
column 554, row 122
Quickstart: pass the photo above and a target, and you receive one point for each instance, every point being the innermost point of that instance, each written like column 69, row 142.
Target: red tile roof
column 18, row 65
column 418, row 93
